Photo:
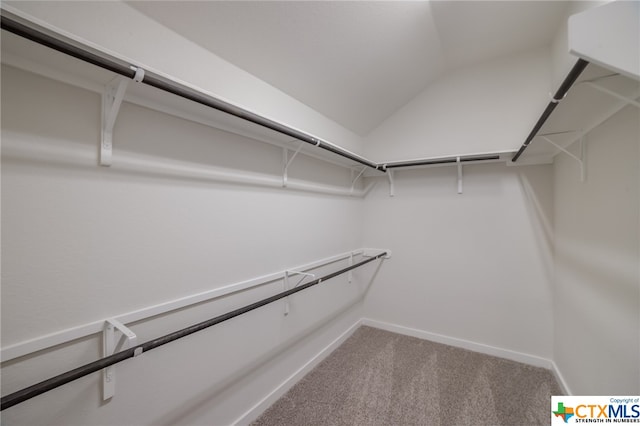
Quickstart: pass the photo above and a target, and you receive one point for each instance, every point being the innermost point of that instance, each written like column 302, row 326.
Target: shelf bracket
column 287, row 162
column 287, row 275
column 392, row 186
column 353, row 183
column 580, row 159
column 112, row 97
column 585, row 131
column 612, row 93
column 459, row 174
column 371, row 252
column 111, row 345
column 350, row 273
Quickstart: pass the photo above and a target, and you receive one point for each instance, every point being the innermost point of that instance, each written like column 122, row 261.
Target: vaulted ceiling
column 357, row 62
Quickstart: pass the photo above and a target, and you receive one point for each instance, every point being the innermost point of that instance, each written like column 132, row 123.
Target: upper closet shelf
column 605, row 80
column 158, row 93
column 29, row 47
column 597, row 95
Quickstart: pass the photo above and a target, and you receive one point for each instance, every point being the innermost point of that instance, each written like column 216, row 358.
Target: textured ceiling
column 358, row 62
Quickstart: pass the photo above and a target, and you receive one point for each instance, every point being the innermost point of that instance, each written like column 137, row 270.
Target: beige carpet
column 381, row 378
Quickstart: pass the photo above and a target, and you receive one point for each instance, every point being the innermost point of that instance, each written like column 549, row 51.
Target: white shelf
column 583, row 108
column 29, row 56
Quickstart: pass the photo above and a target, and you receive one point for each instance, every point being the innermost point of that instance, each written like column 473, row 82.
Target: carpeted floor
column 380, row 378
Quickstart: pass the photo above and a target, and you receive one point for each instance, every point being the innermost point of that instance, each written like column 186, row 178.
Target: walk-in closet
column 319, row 212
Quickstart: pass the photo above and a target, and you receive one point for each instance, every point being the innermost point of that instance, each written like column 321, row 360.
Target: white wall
column 115, row 27
column 597, row 233
column 483, row 108
column 82, row 243
column 475, row 266
column 597, row 283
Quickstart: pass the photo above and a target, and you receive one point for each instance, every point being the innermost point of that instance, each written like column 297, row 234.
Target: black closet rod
column 575, row 72
column 118, row 67
column 447, row 160
column 61, row 379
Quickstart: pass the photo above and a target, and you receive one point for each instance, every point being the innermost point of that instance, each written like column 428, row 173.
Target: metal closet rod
column 447, row 160
column 61, row 379
column 69, row 47
column 571, row 78
column 96, row 58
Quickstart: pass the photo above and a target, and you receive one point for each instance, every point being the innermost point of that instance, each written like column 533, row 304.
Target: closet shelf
column 596, row 95
column 44, row 56
column 20, row 52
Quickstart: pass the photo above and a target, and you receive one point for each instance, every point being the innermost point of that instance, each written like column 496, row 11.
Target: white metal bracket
column 353, row 183
column 110, row 346
column 371, row 252
column 111, row 101
column 612, row 93
column 459, row 175
column 392, row 186
column 585, row 131
column 554, row 100
column 287, row 162
column 580, row 159
column 288, row 274
column 112, row 97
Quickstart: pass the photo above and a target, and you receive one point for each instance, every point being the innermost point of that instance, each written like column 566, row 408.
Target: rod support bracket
column 353, row 183
column 112, row 97
column 392, row 185
column 552, row 99
column 459, row 174
column 287, row 275
column 372, row 252
column 139, row 75
column 350, row 273
column 579, row 159
column 112, row 344
column 286, row 162
column 612, row 93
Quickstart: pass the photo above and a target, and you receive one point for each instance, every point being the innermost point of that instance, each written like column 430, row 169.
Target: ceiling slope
column 358, row 62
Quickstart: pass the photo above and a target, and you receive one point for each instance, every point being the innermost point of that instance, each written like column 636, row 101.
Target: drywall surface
column 482, row 108
column 116, row 27
column 597, row 289
column 475, row 266
column 83, row 243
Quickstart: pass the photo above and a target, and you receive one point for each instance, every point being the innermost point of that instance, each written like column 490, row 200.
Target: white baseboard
column 474, row 346
column 464, row 344
column 255, row 411
column 560, row 379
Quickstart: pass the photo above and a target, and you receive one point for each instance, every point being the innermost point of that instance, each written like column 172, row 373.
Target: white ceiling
column 357, row 62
